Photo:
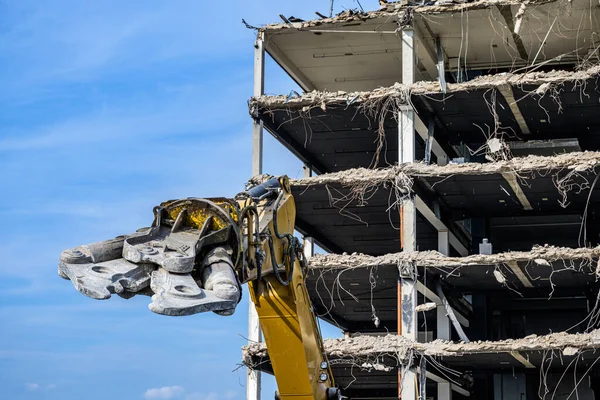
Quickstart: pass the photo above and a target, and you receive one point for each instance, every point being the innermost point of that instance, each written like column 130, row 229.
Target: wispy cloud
column 165, row 392
column 36, row 387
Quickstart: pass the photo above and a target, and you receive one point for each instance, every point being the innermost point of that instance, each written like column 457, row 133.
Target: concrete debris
column 401, row 348
column 322, row 99
column 426, row 307
column 541, row 255
column 544, row 81
column 395, row 9
column 575, row 161
column 499, row 277
column 375, row 367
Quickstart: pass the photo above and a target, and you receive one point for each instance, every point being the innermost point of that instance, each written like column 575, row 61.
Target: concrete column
column 444, row 391
column 254, row 334
column 444, row 242
column 259, row 89
column 407, row 285
column 444, row 332
column 443, row 322
column 309, row 243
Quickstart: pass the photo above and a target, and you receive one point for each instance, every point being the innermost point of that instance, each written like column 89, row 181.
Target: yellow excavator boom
column 195, row 257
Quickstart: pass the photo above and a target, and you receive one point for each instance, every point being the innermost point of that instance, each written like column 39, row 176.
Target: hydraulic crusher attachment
column 196, row 254
column 186, row 260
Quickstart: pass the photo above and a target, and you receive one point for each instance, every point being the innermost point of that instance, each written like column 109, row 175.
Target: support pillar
column 259, row 89
column 308, row 242
column 444, row 391
column 253, row 378
column 407, row 285
column 444, row 326
column 443, row 322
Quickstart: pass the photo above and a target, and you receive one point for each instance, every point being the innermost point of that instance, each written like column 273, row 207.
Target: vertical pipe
column 253, row 377
column 407, row 285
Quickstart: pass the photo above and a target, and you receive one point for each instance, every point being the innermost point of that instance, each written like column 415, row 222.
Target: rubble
column 541, row 255
column 395, row 9
column 574, row 161
column 543, row 80
column 402, row 348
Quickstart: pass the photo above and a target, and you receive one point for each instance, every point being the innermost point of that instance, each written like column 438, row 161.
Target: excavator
column 195, row 257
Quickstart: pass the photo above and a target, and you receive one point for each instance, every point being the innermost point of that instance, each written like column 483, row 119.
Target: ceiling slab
column 362, row 200
column 358, row 292
column 359, row 358
column 342, row 222
column 362, row 50
column 359, row 129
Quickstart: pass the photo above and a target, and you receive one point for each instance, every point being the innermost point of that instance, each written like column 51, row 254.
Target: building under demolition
column 454, row 151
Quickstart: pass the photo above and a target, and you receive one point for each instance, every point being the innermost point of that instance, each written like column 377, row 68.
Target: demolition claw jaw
column 187, row 268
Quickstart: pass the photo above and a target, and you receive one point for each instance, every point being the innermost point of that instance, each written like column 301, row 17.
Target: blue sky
column 106, row 109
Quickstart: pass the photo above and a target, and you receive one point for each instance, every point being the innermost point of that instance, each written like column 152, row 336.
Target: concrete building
column 452, row 151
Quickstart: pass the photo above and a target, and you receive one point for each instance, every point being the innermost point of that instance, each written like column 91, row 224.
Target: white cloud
column 32, row 387
column 165, row 392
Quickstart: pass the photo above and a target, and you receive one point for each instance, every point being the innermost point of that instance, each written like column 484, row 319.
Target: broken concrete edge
column 397, row 9
column 544, row 81
column 541, row 255
column 401, row 349
column 575, row 161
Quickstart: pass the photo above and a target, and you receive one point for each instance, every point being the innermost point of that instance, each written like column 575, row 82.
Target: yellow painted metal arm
column 287, row 318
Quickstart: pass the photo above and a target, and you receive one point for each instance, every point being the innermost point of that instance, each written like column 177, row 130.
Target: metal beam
column 430, row 294
column 430, row 216
column 306, row 229
column 441, row 64
column 514, row 267
column 295, row 148
column 519, row 357
column 423, row 131
column 511, row 179
column 506, row 91
column 429, row 62
column 506, row 12
column 453, row 386
column 289, row 67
